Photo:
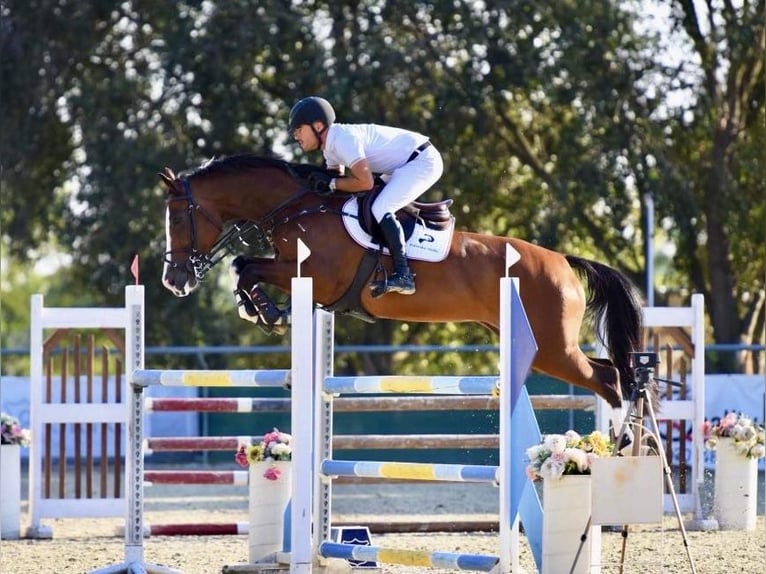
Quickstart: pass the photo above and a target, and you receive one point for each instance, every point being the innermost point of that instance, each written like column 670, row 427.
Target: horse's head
column 190, row 232
column 242, row 192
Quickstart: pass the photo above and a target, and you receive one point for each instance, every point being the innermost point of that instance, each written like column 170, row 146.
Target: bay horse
column 273, row 195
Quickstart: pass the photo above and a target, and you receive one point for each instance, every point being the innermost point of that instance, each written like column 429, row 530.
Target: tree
column 552, row 118
column 719, row 186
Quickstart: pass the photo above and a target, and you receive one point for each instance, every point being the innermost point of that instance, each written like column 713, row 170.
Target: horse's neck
column 251, row 196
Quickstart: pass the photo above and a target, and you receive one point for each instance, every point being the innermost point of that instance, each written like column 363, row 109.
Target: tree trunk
column 721, row 299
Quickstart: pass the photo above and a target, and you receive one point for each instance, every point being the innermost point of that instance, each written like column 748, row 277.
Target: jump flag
column 134, row 268
column 303, row 254
column 511, row 257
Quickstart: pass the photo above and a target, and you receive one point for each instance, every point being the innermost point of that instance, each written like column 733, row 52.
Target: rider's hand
column 320, row 183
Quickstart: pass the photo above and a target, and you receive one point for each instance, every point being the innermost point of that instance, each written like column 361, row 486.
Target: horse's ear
column 168, row 177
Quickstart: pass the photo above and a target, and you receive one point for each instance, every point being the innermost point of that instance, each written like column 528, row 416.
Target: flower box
column 736, row 487
column 270, row 486
column 12, row 438
column 566, row 511
column 10, row 491
column 627, row 490
column 738, row 442
column 564, row 462
column 268, row 499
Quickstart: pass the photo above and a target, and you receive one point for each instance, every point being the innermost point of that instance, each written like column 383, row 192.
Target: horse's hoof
column 280, row 330
column 245, row 306
column 255, row 320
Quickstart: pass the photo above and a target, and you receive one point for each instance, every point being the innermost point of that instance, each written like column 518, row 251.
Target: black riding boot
column 401, row 281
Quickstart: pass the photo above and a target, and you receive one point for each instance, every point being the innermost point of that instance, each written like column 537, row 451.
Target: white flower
column 279, row 449
column 533, row 452
column 556, row 443
column 579, row 457
column 572, row 437
column 567, row 453
column 747, row 436
column 552, row 468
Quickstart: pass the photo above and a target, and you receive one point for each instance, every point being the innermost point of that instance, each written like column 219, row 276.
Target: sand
column 81, row 545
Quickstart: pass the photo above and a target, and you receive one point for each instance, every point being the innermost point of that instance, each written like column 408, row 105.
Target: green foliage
column 553, row 119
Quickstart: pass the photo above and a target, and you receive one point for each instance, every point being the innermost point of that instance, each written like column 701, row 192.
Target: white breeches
column 409, row 182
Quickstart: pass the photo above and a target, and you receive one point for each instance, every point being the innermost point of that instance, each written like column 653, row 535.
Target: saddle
column 433, row 215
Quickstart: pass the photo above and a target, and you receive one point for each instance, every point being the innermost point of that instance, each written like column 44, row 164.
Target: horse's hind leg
column 573, row 366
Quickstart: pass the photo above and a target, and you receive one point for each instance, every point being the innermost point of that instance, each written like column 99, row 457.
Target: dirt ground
column 82, row 545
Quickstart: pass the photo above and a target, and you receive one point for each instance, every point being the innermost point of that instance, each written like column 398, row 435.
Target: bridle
column 200, row 262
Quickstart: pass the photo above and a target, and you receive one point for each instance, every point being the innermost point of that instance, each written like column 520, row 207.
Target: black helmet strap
column 318, row 133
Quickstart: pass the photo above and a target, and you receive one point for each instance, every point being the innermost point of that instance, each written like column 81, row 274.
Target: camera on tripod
column 644, row 360
column 644, row 365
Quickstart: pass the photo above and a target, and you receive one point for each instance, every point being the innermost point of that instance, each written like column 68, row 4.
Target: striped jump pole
column 197, row 529
column 340, row 442
column 420, row 558
column 411, row 471
column 186, row 378
column 233, row 477
column 217, row 405
column 440, row 385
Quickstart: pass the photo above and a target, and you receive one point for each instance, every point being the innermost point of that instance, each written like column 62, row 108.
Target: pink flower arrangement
column 273, row 446
column 569, row 453
column 749, row 437
column 11, row 431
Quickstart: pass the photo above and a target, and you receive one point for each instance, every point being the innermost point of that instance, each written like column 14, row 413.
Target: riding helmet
column 308, row 110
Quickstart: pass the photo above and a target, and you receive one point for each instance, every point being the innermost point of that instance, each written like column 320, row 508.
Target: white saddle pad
column 424, row 244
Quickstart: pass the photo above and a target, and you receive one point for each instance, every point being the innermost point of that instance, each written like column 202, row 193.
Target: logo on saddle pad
column 424, row 243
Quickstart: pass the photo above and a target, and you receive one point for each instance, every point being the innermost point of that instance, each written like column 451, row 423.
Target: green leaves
column 553, row 119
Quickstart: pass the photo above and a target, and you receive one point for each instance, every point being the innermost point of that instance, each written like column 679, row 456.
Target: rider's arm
column 359, row 178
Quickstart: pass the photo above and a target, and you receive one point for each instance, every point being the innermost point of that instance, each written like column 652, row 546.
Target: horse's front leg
column 253, row 304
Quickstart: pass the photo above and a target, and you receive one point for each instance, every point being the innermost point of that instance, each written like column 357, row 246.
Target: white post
column 302, row 382
column 509, row 535
column 698, row 390
column 134, row 461
column 36, row 529
column 322, row 425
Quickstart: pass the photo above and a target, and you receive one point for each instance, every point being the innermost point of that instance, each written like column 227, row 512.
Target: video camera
column 644, row 365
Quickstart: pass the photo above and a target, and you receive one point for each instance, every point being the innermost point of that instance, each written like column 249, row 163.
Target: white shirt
column 385, row 148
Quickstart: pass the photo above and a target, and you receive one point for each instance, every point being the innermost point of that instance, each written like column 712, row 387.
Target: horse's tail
column 615, row 305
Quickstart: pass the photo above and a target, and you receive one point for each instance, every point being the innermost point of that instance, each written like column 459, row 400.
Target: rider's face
column 307, row 138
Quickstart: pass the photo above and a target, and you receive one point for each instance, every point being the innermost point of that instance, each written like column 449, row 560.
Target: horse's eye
column 177, row 219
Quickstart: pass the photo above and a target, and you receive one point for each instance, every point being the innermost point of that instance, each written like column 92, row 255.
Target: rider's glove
column 321, row 183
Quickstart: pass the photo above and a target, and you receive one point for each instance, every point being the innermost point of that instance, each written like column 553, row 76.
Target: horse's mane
column 246, row 161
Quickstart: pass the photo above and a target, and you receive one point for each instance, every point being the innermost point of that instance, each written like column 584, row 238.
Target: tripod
column 644, row 365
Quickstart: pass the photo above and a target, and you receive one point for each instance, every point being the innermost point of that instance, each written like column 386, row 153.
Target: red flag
column 134, row 267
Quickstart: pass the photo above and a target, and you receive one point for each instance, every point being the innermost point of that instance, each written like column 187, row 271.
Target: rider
column 407, row 161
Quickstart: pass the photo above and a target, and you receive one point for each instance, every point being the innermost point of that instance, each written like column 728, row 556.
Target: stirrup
column 396, row 283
